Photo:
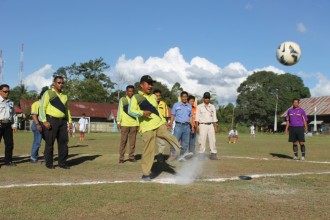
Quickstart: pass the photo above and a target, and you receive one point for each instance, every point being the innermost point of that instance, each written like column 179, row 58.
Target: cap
column 206, row 95
column 146, row 78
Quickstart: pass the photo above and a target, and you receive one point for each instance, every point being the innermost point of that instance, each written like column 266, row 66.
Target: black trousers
column 59, row 132
column 6, row 132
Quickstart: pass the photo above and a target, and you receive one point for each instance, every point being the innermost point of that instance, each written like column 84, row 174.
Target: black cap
column 206, row 95
column 147, row 78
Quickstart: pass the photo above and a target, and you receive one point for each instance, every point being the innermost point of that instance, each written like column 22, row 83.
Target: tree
column 225, row 113
column 213, row 99
column 176, row 89
column 45, row 88
column 87, row 82
column 21, row 92
column 258, row 94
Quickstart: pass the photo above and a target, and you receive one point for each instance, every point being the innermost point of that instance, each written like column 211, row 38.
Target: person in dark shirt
column 296, row 124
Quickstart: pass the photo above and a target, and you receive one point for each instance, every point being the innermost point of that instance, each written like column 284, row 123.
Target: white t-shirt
column 233, row 133
column 252, row 129
column 83, row 124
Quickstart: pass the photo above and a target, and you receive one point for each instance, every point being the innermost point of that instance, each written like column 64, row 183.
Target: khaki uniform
column 128, row 129
column 151, row 127
column 206, row 116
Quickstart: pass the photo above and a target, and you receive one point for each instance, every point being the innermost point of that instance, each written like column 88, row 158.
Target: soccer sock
column 302, row 147
column 295, row 150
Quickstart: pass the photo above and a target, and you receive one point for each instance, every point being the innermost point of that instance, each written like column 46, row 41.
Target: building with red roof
column 98, row 112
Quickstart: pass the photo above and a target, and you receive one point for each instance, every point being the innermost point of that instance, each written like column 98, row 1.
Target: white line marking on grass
column 248, row 158
column 255, row 176
column 260, row 158
column 233, row 157
column 162, row 180
column 310, row 161
column 63, row 184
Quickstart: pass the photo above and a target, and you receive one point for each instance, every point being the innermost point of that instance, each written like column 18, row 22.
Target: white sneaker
column 188, row 155
column 181, row 159
column 295, row 158
column 302, row 158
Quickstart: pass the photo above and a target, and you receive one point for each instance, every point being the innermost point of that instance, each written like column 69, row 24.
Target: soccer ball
column 288, row 53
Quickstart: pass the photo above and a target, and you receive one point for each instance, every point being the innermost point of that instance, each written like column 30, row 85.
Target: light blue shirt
column 182, row 112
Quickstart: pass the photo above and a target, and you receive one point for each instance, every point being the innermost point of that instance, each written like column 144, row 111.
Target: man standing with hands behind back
column 207, row 125
column 127, row 125
column 54, row 114
column 7, row 123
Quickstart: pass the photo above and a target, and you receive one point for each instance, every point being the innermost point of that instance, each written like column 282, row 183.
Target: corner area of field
column 98, row 187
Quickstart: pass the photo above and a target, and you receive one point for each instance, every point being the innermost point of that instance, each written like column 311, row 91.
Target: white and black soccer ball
column 288, row 53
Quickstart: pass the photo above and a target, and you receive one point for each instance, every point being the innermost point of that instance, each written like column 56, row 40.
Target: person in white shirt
column 206, row 126
column 7, row 124
column 83, row 121
column 233, row 136
column 252, row 131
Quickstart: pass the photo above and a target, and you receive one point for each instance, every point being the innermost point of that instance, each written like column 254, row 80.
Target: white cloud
column 196, row 77
column 270, row 69
column 301, row 27
column 40, row 78
column 322, row 88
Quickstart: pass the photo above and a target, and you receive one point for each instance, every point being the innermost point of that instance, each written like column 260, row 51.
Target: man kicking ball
column 152, row 124
column 296, row 124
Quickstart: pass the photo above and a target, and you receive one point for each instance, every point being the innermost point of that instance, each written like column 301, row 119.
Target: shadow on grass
column 159, row 167
column 80, row 160
column 17, row 160
column 72, row 162
column 136, row 157
column 281, row 156
column 69, row 156
column 78, row 145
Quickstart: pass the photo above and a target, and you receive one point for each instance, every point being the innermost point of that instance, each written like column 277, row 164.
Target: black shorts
column 296, row 134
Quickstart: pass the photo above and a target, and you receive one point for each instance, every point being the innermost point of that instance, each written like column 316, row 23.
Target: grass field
column 104, row 189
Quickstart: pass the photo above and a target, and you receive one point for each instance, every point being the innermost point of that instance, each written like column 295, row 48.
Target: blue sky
column 203, row 44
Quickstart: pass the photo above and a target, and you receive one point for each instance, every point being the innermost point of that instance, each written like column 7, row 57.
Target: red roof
column 18, row 110
column 95, row 110
column 26, row 104
column 322, row 105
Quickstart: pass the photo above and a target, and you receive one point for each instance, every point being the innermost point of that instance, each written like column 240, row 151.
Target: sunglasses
column 7, row 91
column 60, row 83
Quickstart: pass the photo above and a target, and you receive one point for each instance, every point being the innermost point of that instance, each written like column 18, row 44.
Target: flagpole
column 275, row 118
